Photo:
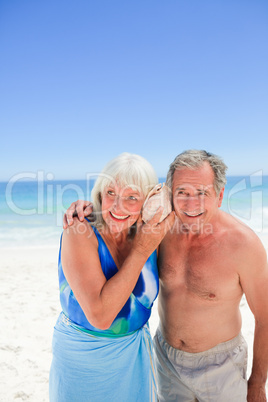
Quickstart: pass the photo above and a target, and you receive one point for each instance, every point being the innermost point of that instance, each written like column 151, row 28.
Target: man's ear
column 221, row 197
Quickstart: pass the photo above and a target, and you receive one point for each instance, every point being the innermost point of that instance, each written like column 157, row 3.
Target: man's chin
column 194, row 225
column 197, row 220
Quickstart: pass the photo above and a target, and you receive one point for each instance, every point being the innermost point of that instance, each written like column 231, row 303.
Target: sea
column 32, row 209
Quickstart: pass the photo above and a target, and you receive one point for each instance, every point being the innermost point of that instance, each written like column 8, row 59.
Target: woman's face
column 121, row 206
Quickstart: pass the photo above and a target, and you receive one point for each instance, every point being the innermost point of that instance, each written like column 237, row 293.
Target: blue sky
column 82, row 81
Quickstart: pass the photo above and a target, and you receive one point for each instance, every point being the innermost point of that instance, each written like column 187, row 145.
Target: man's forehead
column 192, row 187
column 197, row 186
column 203, row 175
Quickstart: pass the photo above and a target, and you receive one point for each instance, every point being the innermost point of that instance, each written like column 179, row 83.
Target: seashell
column 158, row 196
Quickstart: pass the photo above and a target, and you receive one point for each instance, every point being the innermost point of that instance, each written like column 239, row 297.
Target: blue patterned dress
column 116, row 364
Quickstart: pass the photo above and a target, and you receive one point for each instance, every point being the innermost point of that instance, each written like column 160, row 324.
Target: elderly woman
column 102, row 349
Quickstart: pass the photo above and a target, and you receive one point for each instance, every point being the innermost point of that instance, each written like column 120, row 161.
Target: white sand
column 29, row 300
column 30, row 305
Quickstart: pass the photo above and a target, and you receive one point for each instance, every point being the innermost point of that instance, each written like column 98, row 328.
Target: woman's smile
column 119, row 217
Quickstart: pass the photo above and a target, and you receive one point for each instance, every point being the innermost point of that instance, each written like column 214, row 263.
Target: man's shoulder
column 238, row 232
column 247, row 250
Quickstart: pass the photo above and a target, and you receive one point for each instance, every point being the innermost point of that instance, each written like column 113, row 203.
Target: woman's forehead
column 124, row 187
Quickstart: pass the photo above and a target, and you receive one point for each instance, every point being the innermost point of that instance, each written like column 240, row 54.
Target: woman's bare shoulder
column 80, row 235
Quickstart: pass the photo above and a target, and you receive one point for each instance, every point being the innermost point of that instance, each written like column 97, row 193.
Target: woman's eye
column 110, row 192
column 132, row 198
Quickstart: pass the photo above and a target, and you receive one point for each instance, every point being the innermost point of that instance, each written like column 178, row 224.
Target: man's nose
column 193, row 202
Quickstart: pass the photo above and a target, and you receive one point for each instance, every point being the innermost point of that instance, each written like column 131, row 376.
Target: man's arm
column 257, row 380
column 254, row 281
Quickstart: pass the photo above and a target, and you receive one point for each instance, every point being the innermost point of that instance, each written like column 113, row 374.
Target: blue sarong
column 93, row 368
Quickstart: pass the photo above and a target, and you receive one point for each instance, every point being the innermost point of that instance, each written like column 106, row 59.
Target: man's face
column 194, row 197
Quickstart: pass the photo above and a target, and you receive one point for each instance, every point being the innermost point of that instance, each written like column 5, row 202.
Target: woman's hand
column 78, row 208
column 150, row 234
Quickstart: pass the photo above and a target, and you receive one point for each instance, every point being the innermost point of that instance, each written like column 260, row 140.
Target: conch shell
column 158, row 196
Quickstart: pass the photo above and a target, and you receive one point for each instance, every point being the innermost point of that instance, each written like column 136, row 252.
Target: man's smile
column 193, row 214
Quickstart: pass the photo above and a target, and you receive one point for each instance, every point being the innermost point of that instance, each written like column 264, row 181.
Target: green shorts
column 216, row 375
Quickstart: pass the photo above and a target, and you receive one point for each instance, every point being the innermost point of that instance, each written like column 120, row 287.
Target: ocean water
column 31, row 211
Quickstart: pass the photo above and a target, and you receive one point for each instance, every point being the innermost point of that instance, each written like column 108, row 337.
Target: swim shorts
column 216, row 375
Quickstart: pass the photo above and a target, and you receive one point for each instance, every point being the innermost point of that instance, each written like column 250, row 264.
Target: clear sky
column 82, row 81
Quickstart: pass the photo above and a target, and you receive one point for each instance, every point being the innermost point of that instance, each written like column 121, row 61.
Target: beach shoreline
column 30, row 296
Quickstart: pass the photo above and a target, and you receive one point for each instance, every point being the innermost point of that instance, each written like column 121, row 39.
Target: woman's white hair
column 128, row 170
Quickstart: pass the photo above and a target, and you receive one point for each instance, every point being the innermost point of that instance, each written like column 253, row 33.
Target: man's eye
column 132, row 198
column 110, row 192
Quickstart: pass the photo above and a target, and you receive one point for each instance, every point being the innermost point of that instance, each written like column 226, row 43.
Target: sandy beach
column 30, row 305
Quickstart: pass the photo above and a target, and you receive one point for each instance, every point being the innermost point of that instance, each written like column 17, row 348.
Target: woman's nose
column 119, row 204
column 116, row 202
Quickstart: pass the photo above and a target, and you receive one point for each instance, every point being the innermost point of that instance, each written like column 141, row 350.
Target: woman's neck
column 117, row 239
column 119, row 245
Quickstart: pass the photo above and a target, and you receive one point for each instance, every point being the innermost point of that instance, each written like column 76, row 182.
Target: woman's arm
column 101, row 300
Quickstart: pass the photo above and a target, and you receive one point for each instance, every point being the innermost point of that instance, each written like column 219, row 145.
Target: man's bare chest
column 208, row 272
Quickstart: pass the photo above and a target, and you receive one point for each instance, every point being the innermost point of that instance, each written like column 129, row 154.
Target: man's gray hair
column 193, row 159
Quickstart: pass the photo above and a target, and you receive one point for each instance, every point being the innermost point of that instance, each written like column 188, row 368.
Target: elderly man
column 206, row 262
